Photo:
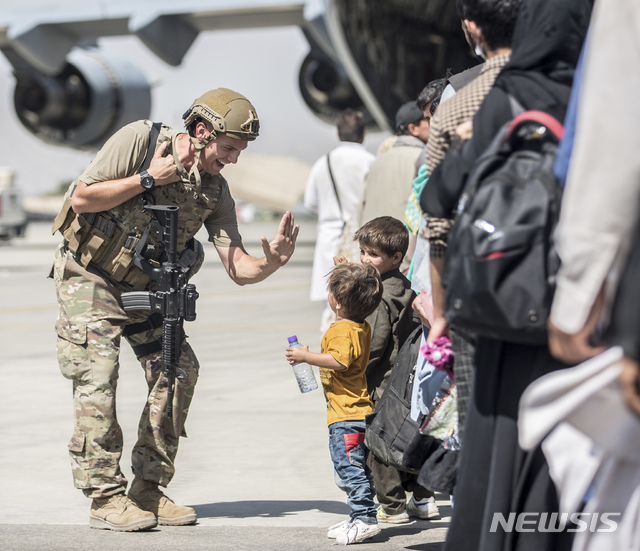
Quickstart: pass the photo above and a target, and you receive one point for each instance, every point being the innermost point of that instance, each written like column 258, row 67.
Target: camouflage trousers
column 91, row 323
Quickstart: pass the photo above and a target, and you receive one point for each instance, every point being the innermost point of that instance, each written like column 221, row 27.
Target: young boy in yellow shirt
column 354, row 293
column 383, row 244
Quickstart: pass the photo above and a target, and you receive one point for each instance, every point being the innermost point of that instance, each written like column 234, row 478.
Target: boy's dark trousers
column 392, row 484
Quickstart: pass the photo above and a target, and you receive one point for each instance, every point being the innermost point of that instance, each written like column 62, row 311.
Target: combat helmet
column 229, row 113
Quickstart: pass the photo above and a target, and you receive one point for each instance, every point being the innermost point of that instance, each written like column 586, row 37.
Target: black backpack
column 501, row 263
column 390, row 427
column 391, row 434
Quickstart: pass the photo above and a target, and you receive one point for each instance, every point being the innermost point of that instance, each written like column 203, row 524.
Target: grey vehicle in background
column 13, row 218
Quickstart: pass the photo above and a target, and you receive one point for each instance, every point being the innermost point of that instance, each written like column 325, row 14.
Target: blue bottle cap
column 293, row 339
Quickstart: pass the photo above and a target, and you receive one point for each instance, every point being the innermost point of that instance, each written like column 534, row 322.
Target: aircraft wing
column 167, row 28
column 370, row 54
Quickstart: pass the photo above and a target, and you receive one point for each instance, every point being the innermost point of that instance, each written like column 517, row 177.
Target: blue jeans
column 349, row 456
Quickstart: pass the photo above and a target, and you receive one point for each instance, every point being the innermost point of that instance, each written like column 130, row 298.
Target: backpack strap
column 153, row 138
column 522, row 116
column 540, row 117
column 335, row 189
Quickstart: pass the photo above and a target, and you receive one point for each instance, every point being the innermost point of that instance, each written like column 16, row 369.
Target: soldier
column 103, row 223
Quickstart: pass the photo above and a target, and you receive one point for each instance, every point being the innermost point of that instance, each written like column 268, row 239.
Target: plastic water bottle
column 303, row 371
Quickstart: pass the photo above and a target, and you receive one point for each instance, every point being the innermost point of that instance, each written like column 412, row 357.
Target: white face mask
column 479, row 51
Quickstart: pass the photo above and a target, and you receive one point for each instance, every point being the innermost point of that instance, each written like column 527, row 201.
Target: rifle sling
column 153, row 322
column 141, row 350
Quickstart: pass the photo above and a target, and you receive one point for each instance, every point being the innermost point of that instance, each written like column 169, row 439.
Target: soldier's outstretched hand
column 279, row 250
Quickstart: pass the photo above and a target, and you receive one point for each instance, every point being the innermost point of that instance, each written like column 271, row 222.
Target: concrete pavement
column 255, row 465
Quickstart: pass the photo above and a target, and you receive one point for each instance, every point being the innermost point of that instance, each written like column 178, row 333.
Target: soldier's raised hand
column 279, row 250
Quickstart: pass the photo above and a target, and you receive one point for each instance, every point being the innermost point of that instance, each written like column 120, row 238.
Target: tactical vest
column 107, row 240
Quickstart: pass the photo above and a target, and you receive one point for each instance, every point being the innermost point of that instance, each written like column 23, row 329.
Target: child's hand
column 296, row 355
column 465, row 130
column 421, row 307
column 337, row 260
column 427, row 306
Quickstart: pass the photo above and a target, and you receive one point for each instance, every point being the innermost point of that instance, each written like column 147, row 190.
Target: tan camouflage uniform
column 92, row 322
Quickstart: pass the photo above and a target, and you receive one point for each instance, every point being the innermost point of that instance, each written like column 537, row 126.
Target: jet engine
column 94, row 94
column 325, row 87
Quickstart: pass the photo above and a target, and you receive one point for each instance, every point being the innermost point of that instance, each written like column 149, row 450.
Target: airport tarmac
column 255, row 465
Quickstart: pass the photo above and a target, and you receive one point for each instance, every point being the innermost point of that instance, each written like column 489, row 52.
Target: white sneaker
column 341, row 527
column 356, row 532
column 425, row 509
column 383, row 516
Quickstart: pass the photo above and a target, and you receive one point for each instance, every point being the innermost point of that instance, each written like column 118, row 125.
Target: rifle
column 175, row 298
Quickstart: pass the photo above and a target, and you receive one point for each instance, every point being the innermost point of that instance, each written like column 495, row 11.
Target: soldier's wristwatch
column 147, row 181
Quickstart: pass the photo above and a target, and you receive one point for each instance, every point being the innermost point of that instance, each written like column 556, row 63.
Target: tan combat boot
column 121, row 514
column 149, row 497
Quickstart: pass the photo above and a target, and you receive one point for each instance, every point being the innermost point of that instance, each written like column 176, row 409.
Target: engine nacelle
column 93, row 96
column 326, row 88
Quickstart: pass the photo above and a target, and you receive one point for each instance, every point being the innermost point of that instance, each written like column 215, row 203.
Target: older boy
column 383, row 244
column 354, row 293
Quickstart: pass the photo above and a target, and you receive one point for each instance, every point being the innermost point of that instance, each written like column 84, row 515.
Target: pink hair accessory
column 439, row 354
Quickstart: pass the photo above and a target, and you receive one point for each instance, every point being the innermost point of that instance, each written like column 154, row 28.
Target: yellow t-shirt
column 346, row 391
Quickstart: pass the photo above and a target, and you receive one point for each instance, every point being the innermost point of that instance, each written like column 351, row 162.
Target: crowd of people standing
column 538, row 56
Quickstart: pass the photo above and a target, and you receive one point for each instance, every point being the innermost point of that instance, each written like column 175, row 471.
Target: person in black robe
column 496, row 477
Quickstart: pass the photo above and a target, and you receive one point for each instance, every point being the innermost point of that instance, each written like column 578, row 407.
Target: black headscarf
column 546, row 45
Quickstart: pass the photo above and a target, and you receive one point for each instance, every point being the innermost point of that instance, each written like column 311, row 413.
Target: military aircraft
column 367, row 54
